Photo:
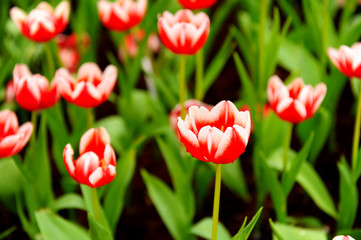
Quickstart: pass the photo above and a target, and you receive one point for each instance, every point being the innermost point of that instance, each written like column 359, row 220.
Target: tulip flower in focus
column 43, row 23
column 95, row 166
column 12, row 137
column 91, row 88
column 197, row 4
column 121, row 15
column 341, row 237
column 69, row 52
column 32, row 91
column 219, row 135
column 297, row 102
column 347, row 59
column 184, row 32
column 176, row 111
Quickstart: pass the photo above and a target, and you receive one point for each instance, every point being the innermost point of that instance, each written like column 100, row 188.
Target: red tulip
column 32, row 92
column 122, row 14
column 197, row 4
column 297, row 102
column 184, row 32
column 347, row 60
column 341, row 237
column 43, row 23
column 91, row 87
column 12, row 137
column 10, row 92
column 219, row 135
column 95, row 166
column 176, row 111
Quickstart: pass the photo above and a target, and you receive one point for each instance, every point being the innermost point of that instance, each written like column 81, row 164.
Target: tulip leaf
column 203, row 229
column 309, row 180
column 275, row 189
column 169, row 207
column 115, row 197
column 54, row 227
column 245, row 231
column 181, row 177
column 289, row 177
column 283, row 231
column 348, row 197
column 97, row 230
column 320, row 124
column 69, row 200
column 7, row 232
column 10, row 181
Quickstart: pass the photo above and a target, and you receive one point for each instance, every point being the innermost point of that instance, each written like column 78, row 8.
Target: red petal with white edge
column 25, row 132
column 85, row 165
column 8, row 123
column 334, row 56
column 229, row 148
column 89, row 72
column 109, row 79
column 86, row 95
column 20, row 71
column 96, row 176
column 198, row 118
column 243, row 119
column 8, row 144
column 18, row 16
column 109, row 156
column 94, row 140
column 209, row 139
column 68, row 160
column 295, row 87
column 319, row 95
column 28, row 94
column 188, row 138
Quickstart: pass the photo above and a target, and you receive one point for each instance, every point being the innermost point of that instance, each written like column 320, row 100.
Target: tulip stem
column 182, row 84
column 199, row 75
column 50, row 60
column 34, row 118
column 356, row 133
column 217, row 193
column 89, row 118
column 287, row 146
column 95, row 204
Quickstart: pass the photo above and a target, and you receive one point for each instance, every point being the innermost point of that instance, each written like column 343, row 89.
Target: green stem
column 182, row 85
column 287, row 145
column 323, row 56
column 217, row 193
column 95, row 204
column 90, row 118
column 199, row 75
column 356, row 133
column 50, row 61
column 34, row 118
column 261, row 47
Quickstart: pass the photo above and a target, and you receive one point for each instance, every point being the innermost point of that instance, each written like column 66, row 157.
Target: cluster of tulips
column 217, row 134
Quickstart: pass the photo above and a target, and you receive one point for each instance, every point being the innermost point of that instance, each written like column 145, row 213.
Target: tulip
column 197, row 4
column 219, row 135
column 43, row 23
column 32, row 92
column 95, row 166
column 184, row 32
column 297, row 102
column 347, row 59
column 122, row 14
column 176, row 111
column 341, row 237
column 153, row 42
column 10, row 92
column 91, row 88
column 13, row 138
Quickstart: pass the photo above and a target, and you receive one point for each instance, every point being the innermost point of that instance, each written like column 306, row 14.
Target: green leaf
column 7, row 232
column 203, row 229
column 182, row 178
column 233, row 178
column 245, row 231
column 290, row 177
column 310, row 182
column 69, row 200
column 97, row 230
column 54, row 227
column 275, row 189
column 348, row 197
column 115, row 197
column 284, row 231
column 169, row 207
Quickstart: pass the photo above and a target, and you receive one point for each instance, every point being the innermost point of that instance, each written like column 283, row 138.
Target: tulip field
column 180, row 119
